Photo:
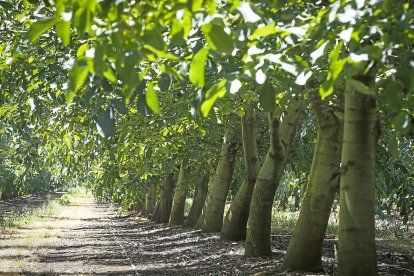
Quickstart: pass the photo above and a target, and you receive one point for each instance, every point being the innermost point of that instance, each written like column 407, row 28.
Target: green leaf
column 267, row 97
column 143, row 107
column 334, row 56
column 39, row 27
column 77, row 77
column 109, row 75
column 152, row 99
column 194, row 5
column 120, row 106
column 81, row 50
column 217, row 38
column 105, row 123
column 63, row 31
column 154, row 41
column 215, row 92
column 401, row 122
column 392, row 95
column 326, row 89
column 165, row 82
column 360, row 87
column 196, row 74
column 6, row 5
column 265, row 31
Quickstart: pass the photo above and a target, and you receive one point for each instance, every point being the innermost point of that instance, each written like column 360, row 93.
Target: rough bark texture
column 356, row 252
column 234, row 225
column 259, row 222
column 200, row 195
column 180, row 194
column 167, row 189
column 305, row 247
column 150, row 198
column 216, row 198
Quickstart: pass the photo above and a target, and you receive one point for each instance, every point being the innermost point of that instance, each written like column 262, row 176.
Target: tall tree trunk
column 305, row 247
column 212, row 175
column 234, row 225
column 259, row 222
column 216, row 199
column 167, row 190
column 200, row 195
column 180, row 195
column 150, row 198
column 156, row 215
column 356, row 252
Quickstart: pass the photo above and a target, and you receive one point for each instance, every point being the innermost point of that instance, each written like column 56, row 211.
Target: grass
column 390, row 231
column 28, row 216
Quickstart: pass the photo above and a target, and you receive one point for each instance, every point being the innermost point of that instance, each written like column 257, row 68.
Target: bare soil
column 87, row 239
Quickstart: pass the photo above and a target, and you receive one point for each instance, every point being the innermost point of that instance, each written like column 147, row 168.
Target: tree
column 217, row 193
column 357, row 254
column 199, row 198
column 180, row 194
column 258, row 224
column 234, row 225
column 304, row 253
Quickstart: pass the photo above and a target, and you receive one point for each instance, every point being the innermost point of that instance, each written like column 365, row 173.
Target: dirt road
column 79, row 240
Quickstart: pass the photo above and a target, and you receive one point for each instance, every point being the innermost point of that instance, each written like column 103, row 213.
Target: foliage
column 112, row 93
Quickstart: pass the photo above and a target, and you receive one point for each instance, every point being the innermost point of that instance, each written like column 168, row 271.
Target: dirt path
column 77, row 241
column 84, row 239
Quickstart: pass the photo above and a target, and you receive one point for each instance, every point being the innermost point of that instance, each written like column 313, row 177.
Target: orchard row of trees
column 151, row 102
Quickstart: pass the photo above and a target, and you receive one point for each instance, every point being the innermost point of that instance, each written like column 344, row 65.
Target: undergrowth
column 27, row 216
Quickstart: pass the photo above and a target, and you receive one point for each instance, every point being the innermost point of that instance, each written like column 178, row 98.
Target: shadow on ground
column 88, row 239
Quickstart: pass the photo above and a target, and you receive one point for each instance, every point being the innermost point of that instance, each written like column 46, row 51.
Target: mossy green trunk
column 167, row 190
column 180, row 194
column 216, row 198
column 305, row 247
column 259, row 222
column 234, row 225
column 150, row 199
column 356, row 239
column 200, row 195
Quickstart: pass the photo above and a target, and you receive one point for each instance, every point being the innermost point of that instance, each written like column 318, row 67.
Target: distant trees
column 118, row 93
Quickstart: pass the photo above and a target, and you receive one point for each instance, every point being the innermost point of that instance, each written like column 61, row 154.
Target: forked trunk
column 259, row 222
column 234, row 225
column 356, row 239
column 305, row 247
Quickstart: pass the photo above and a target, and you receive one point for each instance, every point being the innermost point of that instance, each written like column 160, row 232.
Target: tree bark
column 259, row 222
column 304, row 252
column 167, row 189
column 157, row 213
column 180, row 195
column 356, row 239
column 200, row 195
column 150, row 199
column 234, row 225
column 216, row 199
column 212, row 175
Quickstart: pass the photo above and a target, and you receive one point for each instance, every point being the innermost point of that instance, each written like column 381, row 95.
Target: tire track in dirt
column 77, row 241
